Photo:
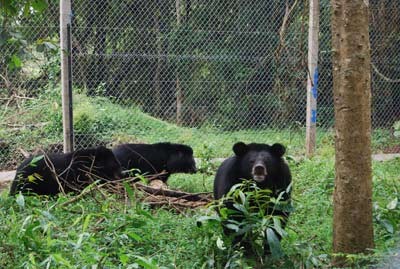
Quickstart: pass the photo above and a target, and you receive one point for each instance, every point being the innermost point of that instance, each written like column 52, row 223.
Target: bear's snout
column 259, row 172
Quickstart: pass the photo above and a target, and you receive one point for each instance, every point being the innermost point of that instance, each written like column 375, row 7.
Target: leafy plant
column 389, row 216
column 254, row 215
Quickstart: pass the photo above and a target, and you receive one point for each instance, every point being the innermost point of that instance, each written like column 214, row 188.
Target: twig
column 383, row 76
column 282, row 32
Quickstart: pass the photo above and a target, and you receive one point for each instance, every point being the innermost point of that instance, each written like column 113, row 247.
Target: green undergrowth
column 106, row 232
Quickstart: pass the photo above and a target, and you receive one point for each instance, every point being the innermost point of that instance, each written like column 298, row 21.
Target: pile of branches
column 156, row 193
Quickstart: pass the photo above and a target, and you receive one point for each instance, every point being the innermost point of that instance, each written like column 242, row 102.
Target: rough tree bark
column 352, row 227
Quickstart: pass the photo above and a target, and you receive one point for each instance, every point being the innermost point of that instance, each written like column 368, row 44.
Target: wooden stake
column 66, row 73
column 312, row 80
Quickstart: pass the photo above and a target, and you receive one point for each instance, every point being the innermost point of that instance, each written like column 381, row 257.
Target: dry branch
column 153, row 196
column 172, row 193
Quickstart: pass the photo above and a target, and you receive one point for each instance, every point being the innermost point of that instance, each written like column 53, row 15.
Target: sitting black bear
column 151, row 159
column 259, row 162
column 70, row 172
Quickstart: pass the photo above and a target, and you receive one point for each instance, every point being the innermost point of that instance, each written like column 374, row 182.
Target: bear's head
column 180, row 159
column 259, row 161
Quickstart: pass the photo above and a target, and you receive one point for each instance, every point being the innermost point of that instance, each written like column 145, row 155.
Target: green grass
column 37, row 123
column 107, row 233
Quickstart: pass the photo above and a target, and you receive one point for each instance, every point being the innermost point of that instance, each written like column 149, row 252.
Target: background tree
column 352, row 227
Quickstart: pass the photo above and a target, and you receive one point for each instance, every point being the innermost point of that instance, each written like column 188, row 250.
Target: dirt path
column 5, row 179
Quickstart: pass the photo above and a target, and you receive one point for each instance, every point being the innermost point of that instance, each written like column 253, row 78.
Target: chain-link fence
column 182, row 71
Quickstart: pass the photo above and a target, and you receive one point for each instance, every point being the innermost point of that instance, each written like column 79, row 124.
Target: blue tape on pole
column 313, row 116
column 315, row 83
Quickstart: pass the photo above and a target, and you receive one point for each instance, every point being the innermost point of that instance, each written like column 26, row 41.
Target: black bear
column 49, row 174
column 156, row 158
column 259, row 162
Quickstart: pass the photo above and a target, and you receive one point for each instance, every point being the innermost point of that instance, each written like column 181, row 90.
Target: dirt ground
column 5, row 179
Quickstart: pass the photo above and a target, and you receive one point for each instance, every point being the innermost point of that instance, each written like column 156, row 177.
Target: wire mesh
column 228, row 66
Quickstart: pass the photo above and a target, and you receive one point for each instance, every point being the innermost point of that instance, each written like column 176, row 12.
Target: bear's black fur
column 259, row 162
column 49, row 174
column 156, row 158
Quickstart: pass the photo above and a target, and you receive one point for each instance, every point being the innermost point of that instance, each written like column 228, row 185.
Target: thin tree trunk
column 157, row 76
column 352, row 227
column 179, row 93
column 312, row 78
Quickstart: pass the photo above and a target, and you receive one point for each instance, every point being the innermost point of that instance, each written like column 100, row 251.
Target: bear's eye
column 252, row 161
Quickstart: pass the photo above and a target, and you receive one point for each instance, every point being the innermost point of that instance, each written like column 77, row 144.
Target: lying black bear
column 156, row 158
column 259, row 162
column 53, row 173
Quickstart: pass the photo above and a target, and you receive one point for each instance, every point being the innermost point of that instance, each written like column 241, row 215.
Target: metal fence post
column 312, row 78
column 66, row 73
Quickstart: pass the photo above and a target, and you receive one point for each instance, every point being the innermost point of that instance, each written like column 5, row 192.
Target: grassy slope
column 117, row 124
column 36, row 231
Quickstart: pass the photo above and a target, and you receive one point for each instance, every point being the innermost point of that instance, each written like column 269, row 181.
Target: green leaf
column 242, row 197
column 146, row 263
column 220, row 244
column 392, row 204
column 20, row 200
column 123, row 258
column 274, row 243
column 387, row 225
column 50, row 46
column 241, row 208
column 60, row 259
column 129, row 191
column 134, row 236
column 27, row 8
column 15, row 62
column 39, row 5
column 86, row 222
column 232, row 227
column 204, row 219
column 34, row 161
column 278, row 226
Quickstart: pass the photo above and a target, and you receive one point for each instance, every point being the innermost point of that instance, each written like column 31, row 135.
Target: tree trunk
column 352, row 227
column 179, row 93
column 157, row 75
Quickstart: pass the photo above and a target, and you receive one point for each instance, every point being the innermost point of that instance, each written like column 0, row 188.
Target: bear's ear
column 278, row 149
column 240, row 149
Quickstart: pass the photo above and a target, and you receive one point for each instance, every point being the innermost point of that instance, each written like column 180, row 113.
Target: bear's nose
column 259, row 170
